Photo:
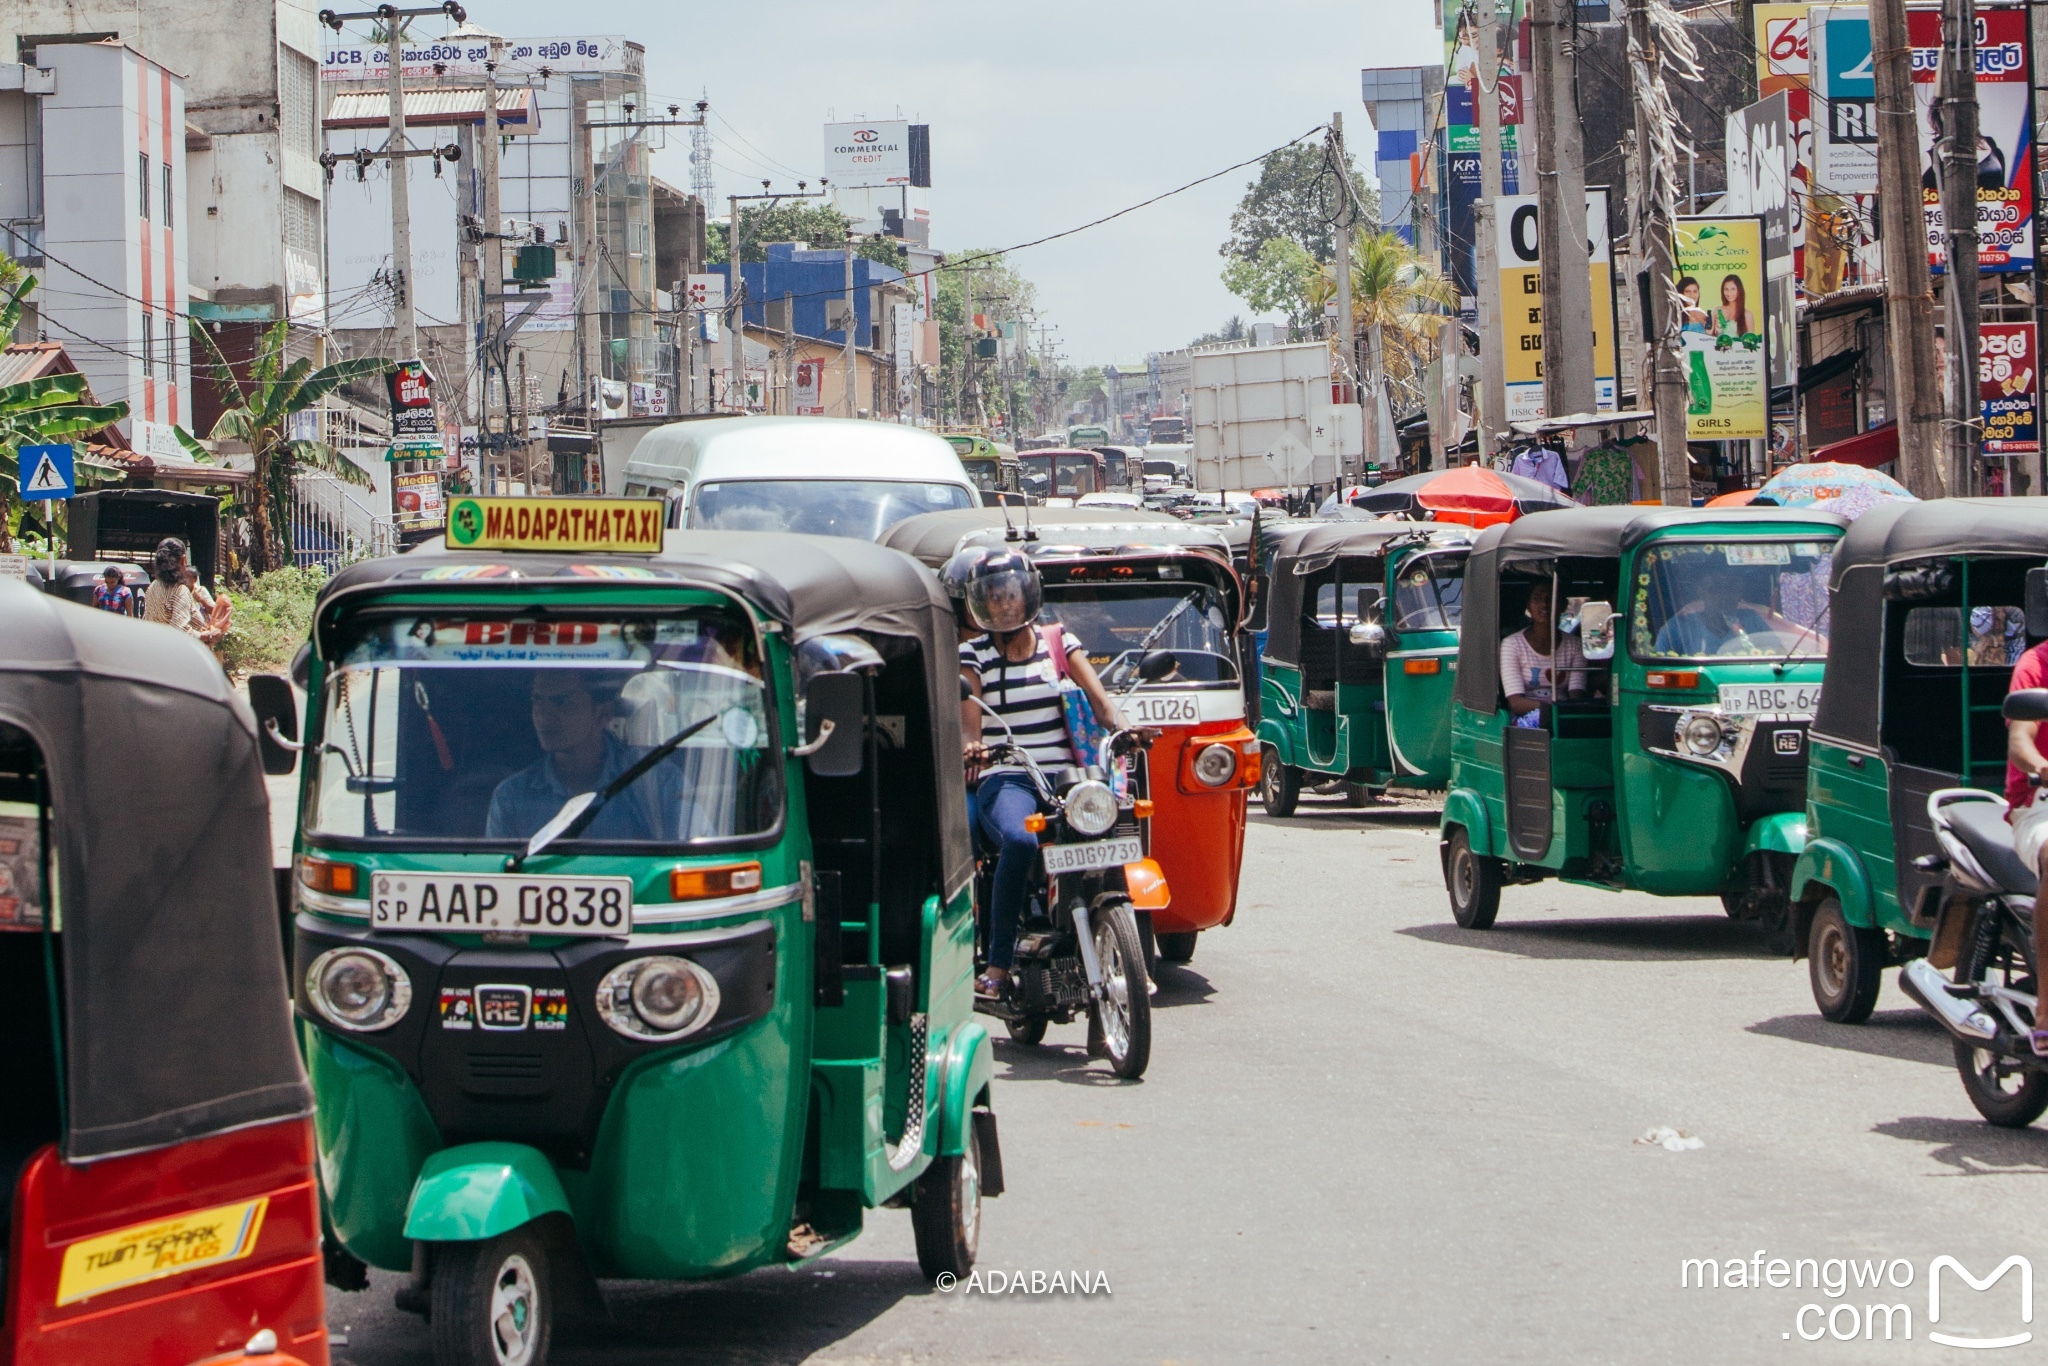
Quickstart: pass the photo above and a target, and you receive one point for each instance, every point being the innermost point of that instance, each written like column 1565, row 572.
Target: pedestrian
column 214, row 608
column 111, row 595
column 2027, row 803
column 168, row 601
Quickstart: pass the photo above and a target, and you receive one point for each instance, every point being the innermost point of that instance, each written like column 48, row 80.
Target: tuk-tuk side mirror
column 2037, row 603
column 2028, row 704
column 1596, row 630
column 277, row 722
column 1157, row 664
column 1369, row 634
column 835, row 725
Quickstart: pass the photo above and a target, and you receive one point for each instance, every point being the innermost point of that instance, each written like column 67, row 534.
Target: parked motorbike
column 1986, row 933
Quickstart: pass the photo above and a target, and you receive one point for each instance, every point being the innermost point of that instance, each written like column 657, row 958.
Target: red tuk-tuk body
column 157, row 1178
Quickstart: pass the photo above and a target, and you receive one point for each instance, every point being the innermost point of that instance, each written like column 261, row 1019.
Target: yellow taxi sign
column 164, row 1247
column 629, row 525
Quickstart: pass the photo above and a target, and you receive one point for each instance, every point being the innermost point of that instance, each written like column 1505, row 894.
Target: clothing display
column 1606, row 476
column 1543, row 464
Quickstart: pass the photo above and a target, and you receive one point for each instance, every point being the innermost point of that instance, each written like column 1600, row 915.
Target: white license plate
column 1081, row 858
column 1167, row 709
column 441, row 903
column 1753, row 699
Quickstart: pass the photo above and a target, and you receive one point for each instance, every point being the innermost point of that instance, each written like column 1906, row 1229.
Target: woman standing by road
column 169, row 601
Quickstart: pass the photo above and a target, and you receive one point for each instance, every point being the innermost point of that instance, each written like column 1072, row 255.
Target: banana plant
column 258, row 415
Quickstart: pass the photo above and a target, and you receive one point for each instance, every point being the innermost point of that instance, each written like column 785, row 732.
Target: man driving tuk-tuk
column 1934, row 605
column 635, row 933
column 1633, row 692
column 157, row 1198
column 1360, row 653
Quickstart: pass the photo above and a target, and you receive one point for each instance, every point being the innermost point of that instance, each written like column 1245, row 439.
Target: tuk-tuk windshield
column 1118, row 622
column 986, row 471
column 861, row 508
column 1429, row 594
column 1722, row 599
column 472, row 727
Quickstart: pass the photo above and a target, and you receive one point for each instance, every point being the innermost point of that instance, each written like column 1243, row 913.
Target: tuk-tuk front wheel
column 1843, row 962
column 2009, row 1096
column 945, row 1214
column 1279, row 784
column 491, row 1302
column 1473, row 880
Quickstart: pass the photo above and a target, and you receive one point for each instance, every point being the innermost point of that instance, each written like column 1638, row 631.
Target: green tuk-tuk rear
column 696, row 1026
column 1672, row 759
column 1360, row 653
column 1932, row 610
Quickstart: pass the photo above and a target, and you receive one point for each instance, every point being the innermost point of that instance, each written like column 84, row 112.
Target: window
column 1996, row 636
column 297, row 78
column 1713, row 599
column 148, row 345
column 1362, row 602
column 171, row 347
column 167, row 194
column 1429, row 595
column 142, row 160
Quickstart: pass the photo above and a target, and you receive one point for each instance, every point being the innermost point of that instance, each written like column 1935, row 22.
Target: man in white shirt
column 1530, row 658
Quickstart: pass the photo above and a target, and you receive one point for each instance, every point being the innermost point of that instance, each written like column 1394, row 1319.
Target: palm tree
column 1396, row 299
column 37, row 410
column 258, row 415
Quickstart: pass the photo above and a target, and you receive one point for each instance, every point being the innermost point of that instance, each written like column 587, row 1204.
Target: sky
column 1043, row 117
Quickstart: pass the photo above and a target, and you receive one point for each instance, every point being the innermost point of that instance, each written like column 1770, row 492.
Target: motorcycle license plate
column 1081, row 858
column 1164, row 710
column 445, row 904
column 1766, row 699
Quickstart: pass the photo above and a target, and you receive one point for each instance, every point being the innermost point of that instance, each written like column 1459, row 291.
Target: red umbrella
column 1737, row 499
column 1471, row 494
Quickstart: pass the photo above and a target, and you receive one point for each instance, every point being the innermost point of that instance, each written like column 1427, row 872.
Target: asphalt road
column 1367, row 1135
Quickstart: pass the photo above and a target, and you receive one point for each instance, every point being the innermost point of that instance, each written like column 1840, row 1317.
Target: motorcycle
column 1986, row 933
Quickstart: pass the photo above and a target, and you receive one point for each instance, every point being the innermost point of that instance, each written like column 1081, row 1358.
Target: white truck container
column 1263, row 418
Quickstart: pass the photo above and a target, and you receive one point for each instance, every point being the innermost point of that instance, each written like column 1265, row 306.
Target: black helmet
column 953, row 577
column 1003, row 592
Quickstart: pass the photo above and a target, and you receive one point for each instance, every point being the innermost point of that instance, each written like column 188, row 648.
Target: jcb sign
column 1521, row 295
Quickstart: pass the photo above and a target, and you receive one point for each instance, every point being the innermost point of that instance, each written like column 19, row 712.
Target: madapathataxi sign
column 619, row 525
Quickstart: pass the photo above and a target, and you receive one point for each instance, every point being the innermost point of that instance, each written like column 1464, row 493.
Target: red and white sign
column 2009, row 384
column 810, row 380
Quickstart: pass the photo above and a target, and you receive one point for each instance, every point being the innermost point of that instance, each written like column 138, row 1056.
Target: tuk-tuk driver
column 571, row 710
column 1530, row 658
column 1707, row 624
column 2026, row 804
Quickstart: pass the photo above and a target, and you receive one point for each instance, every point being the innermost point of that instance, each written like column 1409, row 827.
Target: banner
column 1720, row 271
column 810, row 380
column 1521, row 304
column 2005, row 141
column 415, row 429
column 1758, row 156
column 1781, row 49
column 1845, row 136
column 2009, row 383
column 416, row 501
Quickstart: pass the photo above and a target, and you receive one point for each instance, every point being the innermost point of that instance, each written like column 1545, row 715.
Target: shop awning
column 1878, row 446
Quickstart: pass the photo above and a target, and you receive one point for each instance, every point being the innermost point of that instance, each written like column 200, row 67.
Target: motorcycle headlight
column 657, row 999
column 1091, row 807
column 1701, row 734
column 1216, row 765
column 358, row 989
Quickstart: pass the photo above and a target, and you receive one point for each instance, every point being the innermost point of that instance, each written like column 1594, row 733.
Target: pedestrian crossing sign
column 46, row 472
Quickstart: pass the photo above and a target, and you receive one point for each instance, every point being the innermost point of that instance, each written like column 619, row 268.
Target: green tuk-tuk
column 1361, row 643
column 1687, row 662
column 634, row 924
column 1931, row 612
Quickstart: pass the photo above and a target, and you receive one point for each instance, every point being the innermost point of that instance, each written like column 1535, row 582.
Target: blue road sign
column 46, row 472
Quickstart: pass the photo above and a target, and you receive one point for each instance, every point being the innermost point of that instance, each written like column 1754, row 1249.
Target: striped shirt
column 1026, row 694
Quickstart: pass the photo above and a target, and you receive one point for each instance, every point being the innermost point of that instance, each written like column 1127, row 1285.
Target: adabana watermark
column 1877, row 1313
column 993, row 1281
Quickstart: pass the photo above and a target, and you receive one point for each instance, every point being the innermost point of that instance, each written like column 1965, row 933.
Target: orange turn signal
column 1422, row 666
column 1035, row 823
column 335, row 879
column 1684, row 678
column 695, row 884
column 1146, row 883
column 1142, row 808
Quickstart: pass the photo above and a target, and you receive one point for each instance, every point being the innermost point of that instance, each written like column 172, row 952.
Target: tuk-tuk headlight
column 358, row 989
column 1701, row 734
column 657, row 999
column 1090, row 807
column 1216, row 765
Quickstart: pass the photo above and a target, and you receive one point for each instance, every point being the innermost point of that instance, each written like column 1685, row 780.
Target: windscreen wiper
column 580, row 810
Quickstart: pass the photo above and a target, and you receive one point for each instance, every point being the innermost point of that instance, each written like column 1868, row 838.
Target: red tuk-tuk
column 1129, row 582
column 157, row 1185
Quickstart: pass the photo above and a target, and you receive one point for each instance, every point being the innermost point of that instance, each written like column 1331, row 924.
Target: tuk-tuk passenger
column 571, row 712
column 1707, row 624
column 1529, row 659
column 2026, row 810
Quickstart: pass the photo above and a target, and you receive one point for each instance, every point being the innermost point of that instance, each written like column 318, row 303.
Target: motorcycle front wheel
column 1124, row 1015
column 2008, row 1096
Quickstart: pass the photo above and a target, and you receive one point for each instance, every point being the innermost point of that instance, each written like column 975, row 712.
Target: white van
column 825, row 476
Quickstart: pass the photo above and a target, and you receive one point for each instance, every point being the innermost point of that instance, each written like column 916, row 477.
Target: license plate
column 1752, row 699
column 445, row 904
column 1081, row 858
column 1168, row 709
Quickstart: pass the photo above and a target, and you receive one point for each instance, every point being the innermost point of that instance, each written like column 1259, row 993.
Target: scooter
column 1986, row 929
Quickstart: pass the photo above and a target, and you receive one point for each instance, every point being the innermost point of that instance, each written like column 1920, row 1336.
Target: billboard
column 427, row 58
column 864, row 154
column 1521, row 306
column 1759, row 161
column 2005, row 141
column 1781, row 48
column 2009, row 384
column 1720, row 271
column 1845, row 137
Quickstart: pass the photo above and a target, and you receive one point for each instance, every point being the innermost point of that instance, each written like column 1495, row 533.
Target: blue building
column 814, row 286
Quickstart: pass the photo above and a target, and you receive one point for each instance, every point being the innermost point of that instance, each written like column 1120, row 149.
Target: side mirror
column 1157, row 664
column 1596, row 630
column 2028, row 704
column 835, row 725
column 277, row 723
column 1369, row 634
column 2037, row 603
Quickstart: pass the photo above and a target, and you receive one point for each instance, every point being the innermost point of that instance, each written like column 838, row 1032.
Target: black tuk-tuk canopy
column 177, row 1022
column 814, row 585
column 1884, row 538
column 128, row 523
column 1299, row 549
column 933, row 537
column 1593, row 533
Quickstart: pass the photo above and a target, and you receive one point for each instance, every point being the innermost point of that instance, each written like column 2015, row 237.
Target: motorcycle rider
column 1011, row 669
column 2027, row 805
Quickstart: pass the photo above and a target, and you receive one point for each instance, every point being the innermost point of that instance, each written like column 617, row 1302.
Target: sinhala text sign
column 1720, row 269
column 2005, row 144
column 1521, row 304
column 2009, row 385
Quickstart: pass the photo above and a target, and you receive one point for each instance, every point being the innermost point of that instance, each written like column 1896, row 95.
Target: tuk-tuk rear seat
column 1320, row 699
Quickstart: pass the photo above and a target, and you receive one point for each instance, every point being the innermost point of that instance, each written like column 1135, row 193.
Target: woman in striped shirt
column 1013, row 672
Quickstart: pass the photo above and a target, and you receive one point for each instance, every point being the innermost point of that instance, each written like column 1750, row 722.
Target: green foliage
column 1296, row 197
column 1000, row 293
column 809, row 221
column 1233, row 330
column 1396, row 290
column 37, row 410
column 1283, row 278
column 271, row 620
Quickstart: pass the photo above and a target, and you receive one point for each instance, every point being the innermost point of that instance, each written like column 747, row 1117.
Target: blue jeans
column 1001, row 803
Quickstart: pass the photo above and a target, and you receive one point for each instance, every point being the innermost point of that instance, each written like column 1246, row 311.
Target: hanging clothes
column 1543, row 464
column 1606, row 476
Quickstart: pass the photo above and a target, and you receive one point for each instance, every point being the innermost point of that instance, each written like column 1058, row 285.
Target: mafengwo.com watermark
column 1873, row 1299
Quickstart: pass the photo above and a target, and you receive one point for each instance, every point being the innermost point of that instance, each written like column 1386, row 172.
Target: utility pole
column 1909, row 300
column 494, row 255
column 402, row 320
column 1347, row 326
column 1561, row 215
column 1655, row 192
column 851, row 318
column 1492, row 405
column 1957, row 152
column 736, row 315
column 970, row 388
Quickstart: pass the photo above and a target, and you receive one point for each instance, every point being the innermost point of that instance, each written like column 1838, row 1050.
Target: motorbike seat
column 1983, row 829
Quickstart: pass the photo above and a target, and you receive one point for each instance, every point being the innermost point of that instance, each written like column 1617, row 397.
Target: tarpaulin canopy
column 1878, row 446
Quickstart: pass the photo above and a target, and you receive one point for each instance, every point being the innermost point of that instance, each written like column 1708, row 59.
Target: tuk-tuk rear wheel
column 1279, row 784
column 492, row 1305
column 1843, row 964
column 1473, row 881
column 1178, row 948
column 945, row 1214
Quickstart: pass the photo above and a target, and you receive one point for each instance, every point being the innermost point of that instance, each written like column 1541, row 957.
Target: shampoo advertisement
column 1720, row 265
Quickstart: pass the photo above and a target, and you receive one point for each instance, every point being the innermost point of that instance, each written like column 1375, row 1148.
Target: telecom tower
column 701, row 183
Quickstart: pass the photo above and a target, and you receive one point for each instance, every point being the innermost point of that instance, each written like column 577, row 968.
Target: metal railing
column 333, row 523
